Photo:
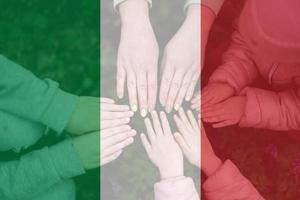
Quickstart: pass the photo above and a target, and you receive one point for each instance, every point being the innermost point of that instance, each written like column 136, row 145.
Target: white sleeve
column 190, row 2
column 117, row 2
column 182, row 188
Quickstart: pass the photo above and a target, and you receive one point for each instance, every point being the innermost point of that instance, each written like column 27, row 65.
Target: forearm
column 21, row 179
column 133, row 12
column 207, row 19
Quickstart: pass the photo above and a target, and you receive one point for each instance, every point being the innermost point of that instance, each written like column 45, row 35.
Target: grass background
column 58, row 39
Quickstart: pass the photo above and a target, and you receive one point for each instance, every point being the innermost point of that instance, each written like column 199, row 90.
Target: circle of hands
column 137, row 65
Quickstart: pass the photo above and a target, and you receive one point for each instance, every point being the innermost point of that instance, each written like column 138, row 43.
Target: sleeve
column 35, row 172
column 228, row 183
column 215, row 5
column 271, row 110
column 190, row 2
column 182, row 188
column 238, row 69
column 117, row 2
column 26, row 96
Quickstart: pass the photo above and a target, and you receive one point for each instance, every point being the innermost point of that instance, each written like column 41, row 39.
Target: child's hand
column 161, row 147
column 189, row 139
column 113, row 140
column 137, row 56
column 86, row 116
column 181, row 61
column 215, row 93
column 226, row 113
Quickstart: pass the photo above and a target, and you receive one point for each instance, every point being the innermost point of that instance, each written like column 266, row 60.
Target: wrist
column 210, row 166
column 208, row 17
column 132, row 11
column 171, row 173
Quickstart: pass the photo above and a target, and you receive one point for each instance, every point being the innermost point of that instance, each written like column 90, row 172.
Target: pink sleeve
column 180, row 188
column 238, row 69
column 271, row 110
column 227, row 183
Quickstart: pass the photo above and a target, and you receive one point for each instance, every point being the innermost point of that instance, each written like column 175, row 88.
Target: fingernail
column 127, row 120
column 120, row 96
column 133, row 132
column 188, row 98
column 143, row 112
column 131, row 113
column 168, row 109
column 176, row 107
column 134, row 107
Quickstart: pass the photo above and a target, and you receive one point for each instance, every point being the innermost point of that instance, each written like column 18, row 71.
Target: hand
column 189, row 139
column 196, row 102
column 86, row 116
column 215, row 93
column 181, row 62
column 137, row 56
column 88, row 149
column 226, row 113
column 161, row 147
column 209, row 161
column 113, row 140
column 113, row 115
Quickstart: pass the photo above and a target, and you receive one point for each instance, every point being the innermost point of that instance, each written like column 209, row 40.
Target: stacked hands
column 220, row 105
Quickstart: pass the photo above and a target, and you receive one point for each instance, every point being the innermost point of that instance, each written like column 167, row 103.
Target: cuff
column 59, row 111
column 66, row 160
column 117, row 2
column 252, row 114
column 214, row 5
column 222, row 75
column 190, row 2
column 177, row 188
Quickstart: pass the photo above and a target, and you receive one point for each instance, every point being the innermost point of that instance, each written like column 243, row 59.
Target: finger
column 110, row 158
column 196, row 99
column 119, row 146
column 142, row 93
column 146, row 144
column 192, row 86
column 113, row 123
column 183, row 90
column 152, row 89
column 182, row 143
column 175, row 85
column 131, row 86
column 165, row 124
column 115, row 115
column 113, row 131
column 150, row 131
column 115, row 139
column 156, row 124
column 121, row 76
column 106, row 100
column 192, row 120
column 165, row 84
column 181, row 126
column 184, row 119
column 215, row 119
column 114, row 107
column 223, row 124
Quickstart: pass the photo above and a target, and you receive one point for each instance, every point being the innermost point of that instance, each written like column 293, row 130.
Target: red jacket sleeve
column 227, row 183
column 271, row 110
column 238, row 69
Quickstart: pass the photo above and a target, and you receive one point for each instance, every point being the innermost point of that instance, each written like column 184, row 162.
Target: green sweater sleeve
column 25, row 95
column 37, row 171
